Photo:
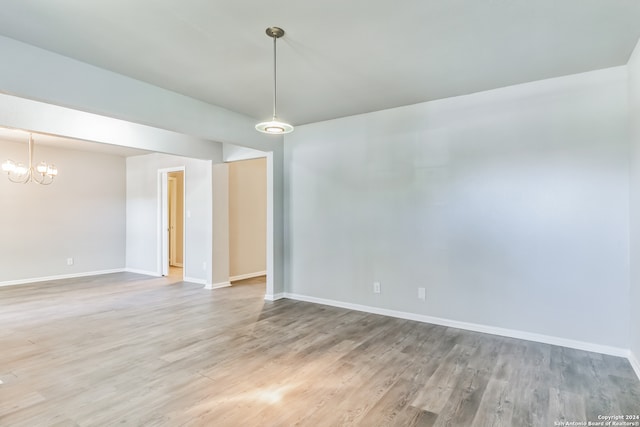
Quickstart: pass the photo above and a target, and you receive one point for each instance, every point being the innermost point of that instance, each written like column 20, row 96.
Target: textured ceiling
column 338, row 57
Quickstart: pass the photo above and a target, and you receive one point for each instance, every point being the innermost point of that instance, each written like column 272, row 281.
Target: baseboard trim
column 59, row 277
column 145, row 272
column 217, row 285
column 247, row 276
column 274, row 297
column 194, row 280
column 511, row 333
column 635, row 363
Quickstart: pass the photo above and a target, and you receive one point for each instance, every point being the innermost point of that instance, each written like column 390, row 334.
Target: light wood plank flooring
column 126, row 349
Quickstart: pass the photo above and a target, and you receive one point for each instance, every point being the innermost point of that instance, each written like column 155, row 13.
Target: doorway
column 248, row 219
column 176, row 221
column 172, row 222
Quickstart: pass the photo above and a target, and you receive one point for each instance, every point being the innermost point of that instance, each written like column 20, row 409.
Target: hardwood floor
column 125, row 349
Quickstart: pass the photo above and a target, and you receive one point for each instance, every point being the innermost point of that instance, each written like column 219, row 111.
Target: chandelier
column 42, row 174
column 274, row 126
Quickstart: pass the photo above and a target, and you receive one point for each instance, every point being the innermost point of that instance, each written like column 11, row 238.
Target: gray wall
column 81, row 215
column 142, row 244
column 510, row 207
column 634, row 115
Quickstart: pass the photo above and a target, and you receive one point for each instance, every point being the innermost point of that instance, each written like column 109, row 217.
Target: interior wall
column 142, row 198
column 634, row 116
column 220, row 236
column 179, row 176
column 247, row 217
column 509, row 206
column 80, row 216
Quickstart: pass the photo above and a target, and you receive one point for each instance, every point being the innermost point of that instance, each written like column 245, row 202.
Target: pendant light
column 274, row 126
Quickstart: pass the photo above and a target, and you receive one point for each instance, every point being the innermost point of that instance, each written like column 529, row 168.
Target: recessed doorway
column 172, row 222
column 247, row 219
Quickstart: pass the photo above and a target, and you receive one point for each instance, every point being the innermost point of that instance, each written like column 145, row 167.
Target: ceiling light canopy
column 274, row 126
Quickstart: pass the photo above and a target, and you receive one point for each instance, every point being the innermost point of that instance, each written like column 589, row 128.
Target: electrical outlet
column 69, row 261
column 204, row 265
column 376, row 287
column 422, row 294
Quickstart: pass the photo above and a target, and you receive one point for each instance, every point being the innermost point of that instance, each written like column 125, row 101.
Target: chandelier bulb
column 42, row 168
column 8, row 166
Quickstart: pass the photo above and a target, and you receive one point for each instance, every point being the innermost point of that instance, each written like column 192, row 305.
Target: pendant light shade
column 274, row 126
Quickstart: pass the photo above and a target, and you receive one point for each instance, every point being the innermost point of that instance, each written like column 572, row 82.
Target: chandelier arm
column 19, row 180
column 44, row 181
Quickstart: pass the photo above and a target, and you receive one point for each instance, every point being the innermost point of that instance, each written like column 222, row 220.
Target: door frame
column 163, row 219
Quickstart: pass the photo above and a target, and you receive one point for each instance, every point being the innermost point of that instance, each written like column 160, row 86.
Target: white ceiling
column 338, row 57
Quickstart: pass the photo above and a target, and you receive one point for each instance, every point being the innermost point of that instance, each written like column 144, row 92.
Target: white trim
column 217, row 285
column 635, row 363
column 59, row 277
column 511, row 333
column 275, row 297
column 145, row 272
column 194, row 280
column 247, row 276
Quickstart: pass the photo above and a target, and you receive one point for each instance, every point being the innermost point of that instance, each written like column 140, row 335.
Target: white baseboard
column 59, row 277
column 145, row 272
column 635, row 363
column 274, row 297
column 247, row 276
column 511, row 333
column 217, row 285
column 194, row 280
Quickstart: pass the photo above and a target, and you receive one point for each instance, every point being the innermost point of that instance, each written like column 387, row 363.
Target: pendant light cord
column 275, row 77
